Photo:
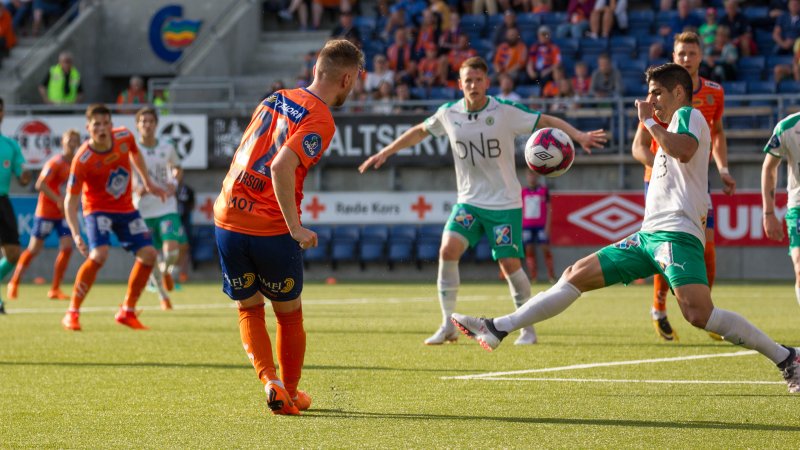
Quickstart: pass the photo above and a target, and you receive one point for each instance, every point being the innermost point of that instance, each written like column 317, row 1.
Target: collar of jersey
column 315, row 95
column 488, row 100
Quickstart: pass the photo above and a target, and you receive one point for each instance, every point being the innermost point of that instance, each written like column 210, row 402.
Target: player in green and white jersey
column 785, row 141
column 161, row 216
column 481, row 130
column 670, row 242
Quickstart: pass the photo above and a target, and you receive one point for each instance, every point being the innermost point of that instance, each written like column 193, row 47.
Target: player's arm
column 41, row 186
column 141, row 168
column 680, row 146
column 769, row 178
column 283, row 170
column 410, row 137
column 641, row 147
column 719, row 149
column 71, row 214
column 23, row 176
column 587, row 140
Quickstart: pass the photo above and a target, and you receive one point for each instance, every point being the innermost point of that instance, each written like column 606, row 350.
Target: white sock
column 447, row 282
column 155, row 278
column 738, row 331
column 170, row 259
column 542, row 306
column 520, row 287
column 797, row 293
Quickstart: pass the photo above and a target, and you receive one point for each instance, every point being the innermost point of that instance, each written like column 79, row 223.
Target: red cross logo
column 421, row 207
column 315, row 207
column 208, row 208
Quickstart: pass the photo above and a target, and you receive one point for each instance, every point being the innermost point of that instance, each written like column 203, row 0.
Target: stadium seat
column 528, row 90
column 372, row 245
column 641, row 19
column 483, row 47
column 400, row 247
column 442, row 93
column 774, row 60
column 428, row 242
column 473, row 23
column 366, row 27
column 593, row 45
column 494, row 21
column 789, row 87
column 528, row 37
column 320, row 252
column 622, row 45
column 750, row 68
column 553, row 19
column 754, row 13
column 665, row 18
column 760, row 87
column 528, row 22
column 568, row 46
column 419, row 93
column 343, row 244
column 483, row 251
column 734, row 87
column 629, row 67
column 634, row 86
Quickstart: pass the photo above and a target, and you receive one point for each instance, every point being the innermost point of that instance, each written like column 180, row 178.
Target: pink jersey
column 534, row 206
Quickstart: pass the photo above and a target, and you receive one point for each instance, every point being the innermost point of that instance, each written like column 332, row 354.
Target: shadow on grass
column 683, row 425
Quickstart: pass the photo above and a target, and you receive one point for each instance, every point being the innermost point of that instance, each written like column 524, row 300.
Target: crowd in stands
column 567, row 49
column 27, row 18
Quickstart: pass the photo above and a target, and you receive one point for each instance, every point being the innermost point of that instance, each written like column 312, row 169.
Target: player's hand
column 376, row 160
column 171, row 190
column 773, row 228
column 729, row 183
column 644, row 110
column 78, row 240
column 305, row 237
column 157, row 191
column 591, row 139
column 25, row 177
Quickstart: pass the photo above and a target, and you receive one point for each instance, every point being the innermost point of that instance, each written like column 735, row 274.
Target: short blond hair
column 476, row 62
column 71, row 132
column 338, row 55
column 688, row 37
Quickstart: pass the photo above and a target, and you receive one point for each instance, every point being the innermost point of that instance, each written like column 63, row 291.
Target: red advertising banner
column 597, row 219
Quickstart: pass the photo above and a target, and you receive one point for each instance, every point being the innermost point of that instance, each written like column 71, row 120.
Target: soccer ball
column 549, row 152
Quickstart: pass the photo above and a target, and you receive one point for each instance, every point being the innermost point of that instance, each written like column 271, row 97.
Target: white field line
column 11, row 309
column 606, row 380
column 602, row 364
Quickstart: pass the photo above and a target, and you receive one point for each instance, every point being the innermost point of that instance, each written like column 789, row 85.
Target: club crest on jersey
column 628, row 242
column 117, row 182
column 490, row 121
column 464, row 218
column 312, row 144
column 6, row 164
column 123, row 148
column 502, row 235
column 774, row 141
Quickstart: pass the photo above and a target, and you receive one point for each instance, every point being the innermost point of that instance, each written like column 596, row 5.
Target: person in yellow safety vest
column 62, row 85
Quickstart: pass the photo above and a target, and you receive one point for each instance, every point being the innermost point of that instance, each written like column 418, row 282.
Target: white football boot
column 480, row 329
column 442, row 335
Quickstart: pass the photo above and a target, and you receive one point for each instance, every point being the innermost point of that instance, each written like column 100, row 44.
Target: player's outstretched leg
column 13, row 285
column 155, row 281
column 658, row 312
column 790, row 369
column 481, row 329
column 447, row 283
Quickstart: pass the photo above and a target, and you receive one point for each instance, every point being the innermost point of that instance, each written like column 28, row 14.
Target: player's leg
column 60, row 267
column 172, row 235
column 520, row 287
column 134, row 236
column 461, row 231
column 530, row 253
column 9, row 237
column 710, row 252
column 623, row 262
column 40, row 230
column 544, row 240
column 154, row 281
column 794, row 252
column 85, row 278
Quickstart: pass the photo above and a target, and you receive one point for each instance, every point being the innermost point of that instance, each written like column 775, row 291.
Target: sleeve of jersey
column 775, row 145
column 523, row 119
column 688, row 123
column 311, row 139
column 434, row 124
column 721, row 105
column 75, row 181
column 174, row 159
column 133, row 148
column 19, row 159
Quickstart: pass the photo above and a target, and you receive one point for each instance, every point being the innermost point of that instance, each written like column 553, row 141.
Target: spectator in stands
column 400, row 52
column 428, row 68
column 481, row 6
column 543, row 56
column 21, row 11
column 541, row 6
column 383, row 99
column 721, row 56
column 448, row 39
column 708, row 30
column 380, row 73
column 441, row 10
column 49, row 8
column 8, row 38
column 605, row 14
column 407, row 75
column 346, row 29
column 62, row 84
column 403, row 13
column 359, row 97
column 509, row 57
column 402, row 96
column 777, row 8
column 606, row 79
column 302, row 13
column 656, row 54
column 458, row 55
column 578, row 12
column 733, row 18
column 581, row 82
column 318, row 8
column 509, row 21
column 428, row 33
column 559, row 88
column 135, row 94
column 507, row 89
column 684, row 21
column 787, row 29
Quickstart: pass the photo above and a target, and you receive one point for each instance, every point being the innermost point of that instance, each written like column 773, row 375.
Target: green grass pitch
column 186, row 383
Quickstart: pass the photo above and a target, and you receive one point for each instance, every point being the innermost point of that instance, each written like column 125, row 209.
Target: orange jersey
column 294, row 119
column 104, row 178
column 54, row 175
column 710, row 100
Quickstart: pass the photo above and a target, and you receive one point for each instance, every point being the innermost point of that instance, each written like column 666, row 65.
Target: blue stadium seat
column 429, row 240
column 634, row 86
column 750, row 68
column 622, row 45
column 343, row 244
column 483, row 251
column 372, row 245
column 734, row 87
column 528, row 37
column 760, row 87
column 641, row 19
column 665, row 17
column 629, row 67
column 764, row 41
column 483, row 47
column 320, row 253
column 492, row 22
column 471, row 23
column 528, row 22
column 755, row 12
column 568, row 46
column 442, row 93
column 493, row 91
column 774, row 60
column 553, row 19
column 366, row 27
column 400, row 247
column 528, row 90
column 789, row 87
column 593, row 45
column 419, row 93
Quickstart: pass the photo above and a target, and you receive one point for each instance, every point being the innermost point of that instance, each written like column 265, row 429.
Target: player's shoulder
column 121, row 133
column 299, row 105
column 787, row 123
column 509, row 104
column 711, row 85
column 83, row 154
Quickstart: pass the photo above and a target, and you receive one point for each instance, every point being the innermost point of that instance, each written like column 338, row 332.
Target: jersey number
column 281, row 127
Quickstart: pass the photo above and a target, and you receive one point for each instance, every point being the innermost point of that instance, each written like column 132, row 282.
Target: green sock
column 5, row 267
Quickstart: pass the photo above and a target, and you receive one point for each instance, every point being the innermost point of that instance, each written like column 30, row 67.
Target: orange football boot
column 168, row 282
column 278, row 400
column 11, row 292
column 166, row 304
column 70, row 321
column 129, row 319
column 57, row 294
column 302, row 401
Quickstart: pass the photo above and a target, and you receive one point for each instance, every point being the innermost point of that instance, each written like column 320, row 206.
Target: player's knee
column 147, row 255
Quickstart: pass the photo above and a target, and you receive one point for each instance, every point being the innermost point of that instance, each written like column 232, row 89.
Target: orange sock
column 660, row 289
column 548, row 262
column 136, row 283
column 62, row 261
column 255, row 339
column 83, row 282
column 24, row 261
column 710, row 255
column 291, row 348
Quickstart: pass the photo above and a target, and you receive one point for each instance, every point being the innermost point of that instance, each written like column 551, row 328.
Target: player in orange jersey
column 101, row 174
column 257, row 216
column 709, row 98
column 49, row 217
